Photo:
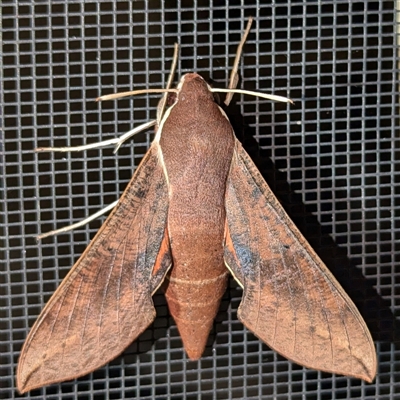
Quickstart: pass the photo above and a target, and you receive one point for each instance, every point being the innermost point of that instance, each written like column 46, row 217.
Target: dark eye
column 171, row 98
column 217, row 99
column 216, row 96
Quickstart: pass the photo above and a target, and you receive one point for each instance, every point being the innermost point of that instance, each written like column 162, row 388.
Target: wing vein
column 122, row 244
column 70, row 315
column 118, row 295
column 286, row 274
column 92, row 294
column 105, row 291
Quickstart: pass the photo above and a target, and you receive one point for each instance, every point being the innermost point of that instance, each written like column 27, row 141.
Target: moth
column 196, row 210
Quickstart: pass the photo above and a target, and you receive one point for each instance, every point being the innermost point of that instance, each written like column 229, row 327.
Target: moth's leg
column 163, row 101
column 117, row 141
column 80, row 223
column 133, row 132
column 234, row 78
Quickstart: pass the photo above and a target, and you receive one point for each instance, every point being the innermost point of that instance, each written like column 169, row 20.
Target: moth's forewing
column 290, row 299
column 105, row 302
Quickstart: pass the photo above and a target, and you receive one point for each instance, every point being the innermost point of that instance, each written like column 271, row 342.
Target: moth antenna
column 257, row 94
column 162, row 103
column 134, row 93
column 234, row 78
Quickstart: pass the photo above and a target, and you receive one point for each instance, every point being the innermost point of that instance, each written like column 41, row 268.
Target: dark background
column 332, row 159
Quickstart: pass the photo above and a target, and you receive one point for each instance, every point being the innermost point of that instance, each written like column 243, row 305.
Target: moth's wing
column 290, row 299
column 105, row 301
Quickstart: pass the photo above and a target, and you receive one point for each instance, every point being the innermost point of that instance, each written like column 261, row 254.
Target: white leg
column 78, row 224
column 117, row 141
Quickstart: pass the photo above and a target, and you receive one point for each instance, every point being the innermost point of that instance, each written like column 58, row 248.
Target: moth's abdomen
column 194, row 305
column 198, row 277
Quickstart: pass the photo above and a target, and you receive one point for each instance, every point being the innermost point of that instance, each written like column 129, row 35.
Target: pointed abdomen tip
column 194, row 336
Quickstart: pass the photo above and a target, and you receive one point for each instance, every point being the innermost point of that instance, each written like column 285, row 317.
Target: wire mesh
column 332, row 159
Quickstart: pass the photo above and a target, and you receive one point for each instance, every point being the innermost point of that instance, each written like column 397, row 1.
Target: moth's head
column 192, row 87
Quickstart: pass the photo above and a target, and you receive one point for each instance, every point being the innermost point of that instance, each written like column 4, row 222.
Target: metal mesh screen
column 331, row 159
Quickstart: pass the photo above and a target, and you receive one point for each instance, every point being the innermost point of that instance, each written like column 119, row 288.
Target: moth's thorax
column 193, row 88
column 196, row 137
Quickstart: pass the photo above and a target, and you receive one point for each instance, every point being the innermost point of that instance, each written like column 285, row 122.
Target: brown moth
column 195, row 210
